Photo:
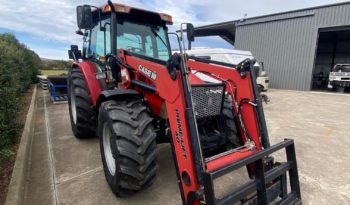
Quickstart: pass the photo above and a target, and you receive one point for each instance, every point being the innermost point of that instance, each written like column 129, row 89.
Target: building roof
column 227, row 30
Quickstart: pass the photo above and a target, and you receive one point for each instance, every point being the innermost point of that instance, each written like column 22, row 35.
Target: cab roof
column 139, row 13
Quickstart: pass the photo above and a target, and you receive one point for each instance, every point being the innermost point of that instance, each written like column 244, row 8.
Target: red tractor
column 127, row 88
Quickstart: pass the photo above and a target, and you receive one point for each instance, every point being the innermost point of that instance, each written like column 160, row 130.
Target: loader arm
column 171, row 92
column 193, row 175
column 196, row 185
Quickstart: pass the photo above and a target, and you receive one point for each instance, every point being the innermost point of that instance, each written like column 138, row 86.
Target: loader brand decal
column 217, row 91
column 179, row 134
column 148, row 72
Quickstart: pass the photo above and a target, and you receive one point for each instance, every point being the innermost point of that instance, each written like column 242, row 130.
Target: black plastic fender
column 115, row 94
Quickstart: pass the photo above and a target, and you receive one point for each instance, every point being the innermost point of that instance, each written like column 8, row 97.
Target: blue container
column 58, row 88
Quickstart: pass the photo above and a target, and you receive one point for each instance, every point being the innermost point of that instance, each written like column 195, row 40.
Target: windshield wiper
column 157, row 35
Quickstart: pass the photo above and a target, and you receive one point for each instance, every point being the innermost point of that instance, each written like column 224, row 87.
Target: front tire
column 80, row 105
column 230, row 125
column 128, row 146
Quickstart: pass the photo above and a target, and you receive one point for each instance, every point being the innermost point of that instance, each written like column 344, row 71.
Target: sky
column 48, row 27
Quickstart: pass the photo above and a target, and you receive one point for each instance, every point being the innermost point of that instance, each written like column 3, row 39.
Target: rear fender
column 93, row 84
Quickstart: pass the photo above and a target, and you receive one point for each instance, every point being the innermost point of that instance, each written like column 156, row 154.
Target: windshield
column 341, row 68
column 143, row 39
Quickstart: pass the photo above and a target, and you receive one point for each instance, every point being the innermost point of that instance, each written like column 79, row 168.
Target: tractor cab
column 115, row 26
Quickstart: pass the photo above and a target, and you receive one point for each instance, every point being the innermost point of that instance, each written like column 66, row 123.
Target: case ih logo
column 148, row 72
column 178, row 133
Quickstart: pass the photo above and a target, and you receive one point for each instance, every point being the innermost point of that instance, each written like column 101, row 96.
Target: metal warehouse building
column 298, row 48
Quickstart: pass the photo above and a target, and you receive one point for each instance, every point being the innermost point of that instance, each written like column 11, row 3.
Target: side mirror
column 172, row 64
column 74, row 53
column 79, row 32
column 84, row 17
column 190, row 32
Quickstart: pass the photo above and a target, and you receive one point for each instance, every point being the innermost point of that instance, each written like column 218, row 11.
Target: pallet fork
column 275, row 177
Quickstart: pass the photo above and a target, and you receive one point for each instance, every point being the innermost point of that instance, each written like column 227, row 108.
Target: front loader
column 127, row 88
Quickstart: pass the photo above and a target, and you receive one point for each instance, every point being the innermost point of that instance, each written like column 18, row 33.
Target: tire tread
column 85, row 125
column 136, row 144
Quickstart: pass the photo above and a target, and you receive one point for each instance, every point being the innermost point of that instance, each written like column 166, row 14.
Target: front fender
column 116, row 94
column 93, row 84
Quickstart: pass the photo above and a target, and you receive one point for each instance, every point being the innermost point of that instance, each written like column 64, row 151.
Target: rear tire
column 80, row 105
column 230, row 126
column 128, row 146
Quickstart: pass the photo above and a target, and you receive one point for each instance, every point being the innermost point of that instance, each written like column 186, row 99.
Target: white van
column 233, row 57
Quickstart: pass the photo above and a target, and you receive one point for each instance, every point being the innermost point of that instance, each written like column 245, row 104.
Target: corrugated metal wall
column 286, row 43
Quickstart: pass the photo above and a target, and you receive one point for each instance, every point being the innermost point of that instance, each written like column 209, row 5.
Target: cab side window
column 100, row 40
column 86, row 42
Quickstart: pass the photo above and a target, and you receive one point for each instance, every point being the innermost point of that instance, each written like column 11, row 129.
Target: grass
column 53, row 72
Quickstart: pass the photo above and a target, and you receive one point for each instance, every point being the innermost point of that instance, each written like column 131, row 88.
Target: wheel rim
column 73, row 105
column 110, row 161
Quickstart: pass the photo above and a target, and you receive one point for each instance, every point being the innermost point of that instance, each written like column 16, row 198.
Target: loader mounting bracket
column 244, row 66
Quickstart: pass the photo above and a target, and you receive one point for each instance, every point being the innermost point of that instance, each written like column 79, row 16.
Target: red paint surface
column 228, row 159
column 93, row 84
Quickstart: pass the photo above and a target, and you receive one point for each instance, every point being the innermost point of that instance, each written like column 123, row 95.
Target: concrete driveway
column 66, row 170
